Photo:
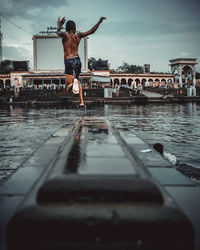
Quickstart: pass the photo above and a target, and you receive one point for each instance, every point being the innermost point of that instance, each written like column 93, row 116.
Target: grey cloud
column 28, row 8
column 15, row 53
column 151, row 28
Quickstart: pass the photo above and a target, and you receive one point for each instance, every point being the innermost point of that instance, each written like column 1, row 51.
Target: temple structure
column 184, row 69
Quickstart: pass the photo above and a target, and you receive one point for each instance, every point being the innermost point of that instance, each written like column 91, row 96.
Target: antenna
column 1, row 38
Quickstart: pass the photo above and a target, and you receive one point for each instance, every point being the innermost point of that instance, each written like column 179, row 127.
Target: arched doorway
column 15, row 82
column 187, row 75
column 123, row 81
column 116, row 82
column 137, row 80
column 130, row 80
column 150, row 82
column 143, row 82
column 169, row 81
column 163, row 82
column 157, row 82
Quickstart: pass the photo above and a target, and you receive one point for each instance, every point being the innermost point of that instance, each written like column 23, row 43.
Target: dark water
column 176, row 126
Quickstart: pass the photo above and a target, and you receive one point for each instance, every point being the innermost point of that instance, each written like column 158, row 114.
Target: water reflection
column 176, row 126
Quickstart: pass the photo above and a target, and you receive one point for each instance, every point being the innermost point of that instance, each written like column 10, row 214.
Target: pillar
column 193, row 81
column 180, row 76
column 42, row 83
column 180, row 81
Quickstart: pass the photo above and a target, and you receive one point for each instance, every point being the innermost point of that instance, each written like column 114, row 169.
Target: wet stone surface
column 97, row 151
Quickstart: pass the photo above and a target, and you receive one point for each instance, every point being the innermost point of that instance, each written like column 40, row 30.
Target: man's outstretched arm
column 59, row 33
column 92, row 30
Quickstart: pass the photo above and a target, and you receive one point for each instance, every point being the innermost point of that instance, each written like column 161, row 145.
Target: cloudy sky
column 135, row 31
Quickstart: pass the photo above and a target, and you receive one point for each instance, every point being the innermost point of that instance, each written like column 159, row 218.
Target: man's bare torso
column 70, row 45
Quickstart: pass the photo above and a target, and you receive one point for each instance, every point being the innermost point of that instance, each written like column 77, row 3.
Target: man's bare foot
column 81, row 105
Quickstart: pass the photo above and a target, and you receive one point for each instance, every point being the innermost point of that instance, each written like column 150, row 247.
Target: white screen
column 49, row 55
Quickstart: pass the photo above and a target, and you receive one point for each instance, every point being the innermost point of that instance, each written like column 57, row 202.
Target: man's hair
column 70, row 25
column 158, row 147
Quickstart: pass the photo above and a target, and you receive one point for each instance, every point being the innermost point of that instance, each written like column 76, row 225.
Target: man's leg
column 68, row 80
column 80, row 94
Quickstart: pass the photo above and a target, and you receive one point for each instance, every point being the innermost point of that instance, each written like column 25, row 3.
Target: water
column 176, row 126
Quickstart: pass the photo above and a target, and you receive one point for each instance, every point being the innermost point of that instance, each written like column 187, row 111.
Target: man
column 70, row 41
column 169, row 157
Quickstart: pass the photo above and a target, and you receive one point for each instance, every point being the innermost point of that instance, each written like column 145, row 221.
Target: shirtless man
column 70, row 41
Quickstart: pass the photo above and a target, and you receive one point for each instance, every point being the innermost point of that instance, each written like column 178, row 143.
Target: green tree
column 6, row 67
column 92, row 63
column 127, row 68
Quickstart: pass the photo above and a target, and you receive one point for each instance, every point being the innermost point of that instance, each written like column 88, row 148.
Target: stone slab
column 131, row 138
column 30, row 170
column 149, row 157
column 107, row 166
column 170, row 177
column 21, row 182
column 104, row 150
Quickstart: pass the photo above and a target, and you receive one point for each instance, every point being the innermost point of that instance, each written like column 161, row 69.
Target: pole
column 1, row 38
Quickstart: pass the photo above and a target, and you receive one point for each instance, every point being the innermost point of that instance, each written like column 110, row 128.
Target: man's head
column 158, row 147
column 70, row 26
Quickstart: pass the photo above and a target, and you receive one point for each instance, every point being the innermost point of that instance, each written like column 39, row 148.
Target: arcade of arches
column 151, row 80
column 5, row 81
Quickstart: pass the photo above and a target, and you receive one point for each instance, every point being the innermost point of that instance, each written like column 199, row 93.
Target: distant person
column 139, row 89
column 70, row 41
column 186, row 169
column 171, row 158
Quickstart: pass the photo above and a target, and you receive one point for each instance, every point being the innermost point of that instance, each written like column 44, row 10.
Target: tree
column 97, row 64
column 91, row 61
column 126, row 68
column 6, row 67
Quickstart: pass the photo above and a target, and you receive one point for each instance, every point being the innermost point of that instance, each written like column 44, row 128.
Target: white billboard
column 48, row 53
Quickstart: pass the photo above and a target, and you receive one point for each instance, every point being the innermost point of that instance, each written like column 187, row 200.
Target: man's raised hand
column 101, row 19
column 62, row 21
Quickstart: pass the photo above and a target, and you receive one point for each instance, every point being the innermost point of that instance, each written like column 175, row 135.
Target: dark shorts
column 73, row 66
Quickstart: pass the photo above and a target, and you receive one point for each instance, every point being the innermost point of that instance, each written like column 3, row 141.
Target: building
column 146, row 79
column 184, row 70
column 56, row 79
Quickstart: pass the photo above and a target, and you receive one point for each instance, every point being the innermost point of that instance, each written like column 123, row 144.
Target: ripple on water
column 176, row 126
